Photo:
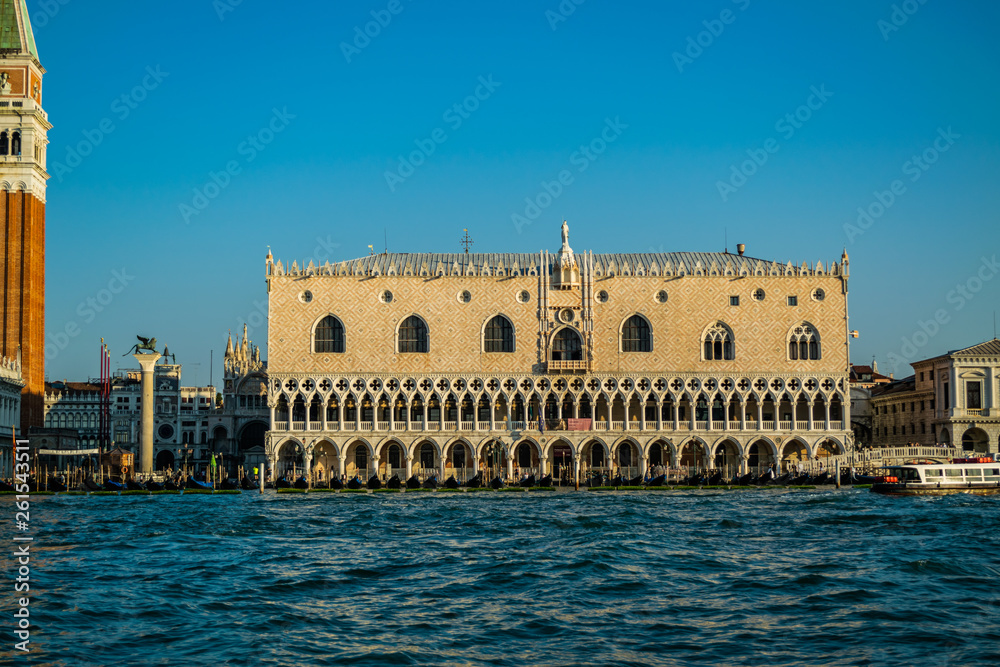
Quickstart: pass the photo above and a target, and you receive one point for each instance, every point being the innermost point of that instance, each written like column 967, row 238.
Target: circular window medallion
column 818, row 294
column 166, row 431
column 385, row 296
column 306, row 297
column 566, row 315
column 758, row 294
column 465, row 296
column 602, row 297
column 523, row 296
column 661, row 296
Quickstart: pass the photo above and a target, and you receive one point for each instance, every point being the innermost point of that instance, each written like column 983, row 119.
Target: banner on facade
column 578, row 424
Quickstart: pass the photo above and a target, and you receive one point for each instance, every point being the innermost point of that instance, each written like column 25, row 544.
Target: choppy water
column 705, row 578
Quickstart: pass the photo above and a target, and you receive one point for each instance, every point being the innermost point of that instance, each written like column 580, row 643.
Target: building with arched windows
column 554, row 363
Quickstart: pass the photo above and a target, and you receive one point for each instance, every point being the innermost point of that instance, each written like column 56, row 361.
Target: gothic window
column 499, row 335
column 15, row 143
column 329, row 335
column 803, row 343
column 719, row 343
column 413, row 335
column 636, row 335
column 4, row 143
column 567, row 346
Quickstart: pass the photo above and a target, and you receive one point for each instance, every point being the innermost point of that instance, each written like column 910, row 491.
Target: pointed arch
column 412, row 336
column 803, row 343
column 329, row 336
column 719, row 343
column 567, row 345
column 636, row 334
column 498, row 335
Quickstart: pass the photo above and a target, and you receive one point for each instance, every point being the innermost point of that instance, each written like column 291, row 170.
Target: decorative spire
column 229, row 345
column 16, row 36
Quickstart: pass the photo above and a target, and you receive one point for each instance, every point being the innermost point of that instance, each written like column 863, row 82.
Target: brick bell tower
column 23, row 139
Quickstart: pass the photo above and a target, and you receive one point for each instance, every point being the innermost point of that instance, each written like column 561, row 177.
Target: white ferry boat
column 979, row 476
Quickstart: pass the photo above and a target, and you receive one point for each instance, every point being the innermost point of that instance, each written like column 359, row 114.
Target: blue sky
column 308, row 129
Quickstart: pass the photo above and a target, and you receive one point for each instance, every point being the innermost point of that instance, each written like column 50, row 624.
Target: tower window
column 329, row 335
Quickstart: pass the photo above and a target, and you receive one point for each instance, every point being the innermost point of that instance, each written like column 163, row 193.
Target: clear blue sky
column 322, row 181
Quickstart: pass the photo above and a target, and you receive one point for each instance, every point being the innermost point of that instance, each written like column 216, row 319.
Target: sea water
column 750, row 577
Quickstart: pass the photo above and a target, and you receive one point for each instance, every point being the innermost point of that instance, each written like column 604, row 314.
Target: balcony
column 563, row 366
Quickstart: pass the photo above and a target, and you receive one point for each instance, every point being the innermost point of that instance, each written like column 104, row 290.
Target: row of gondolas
column 705, row 478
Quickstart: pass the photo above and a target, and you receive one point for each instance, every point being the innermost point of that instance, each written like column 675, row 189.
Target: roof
column 989, row 347
column 72, row 387
column 907, row 384
column 657, row 263
column 16, row 36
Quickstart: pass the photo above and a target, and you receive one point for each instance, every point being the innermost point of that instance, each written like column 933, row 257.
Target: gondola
column 595, row 480
column 617, row 481
column 413, row 483
column 798, row 480
column 56, row 484
column 133, row 485
column 746, row 479
column 248, row 484
column 451, row 483
column 715, row 479
column 229, row 485
column 153, row 486
column 301, row 483
column 171, row 485
column 7, row 486
column 374, row 482
column 430, row 483
column 476, row 482
column 111, row 485
column 496, row 483
column 696, row 479
column 194, row 484
column 282, row 483
column 635, row 481
column 657, row 481
column 394, row 482
column 784, row 479
column 545, row 481
column 527, row 482
column 822, row 478
column 336, row 483
column 354, row 484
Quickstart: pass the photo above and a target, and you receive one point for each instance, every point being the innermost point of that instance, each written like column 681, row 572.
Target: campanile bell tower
column 24, row 127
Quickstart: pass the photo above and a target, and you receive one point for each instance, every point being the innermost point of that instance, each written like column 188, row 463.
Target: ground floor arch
column 976, row 440
column 727, row 459
column 794, row 453
column 165, row 460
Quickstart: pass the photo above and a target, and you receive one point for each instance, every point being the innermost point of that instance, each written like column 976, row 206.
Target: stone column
column 343, row 466
column 812, row 406
column 826, row 423
column 677, row 415
column 146, row 364
column 510, row 464
column 409, row 467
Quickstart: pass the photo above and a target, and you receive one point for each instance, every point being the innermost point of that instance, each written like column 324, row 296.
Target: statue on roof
column 565, row 234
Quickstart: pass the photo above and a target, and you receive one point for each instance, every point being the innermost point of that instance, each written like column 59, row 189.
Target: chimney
column 741, row 248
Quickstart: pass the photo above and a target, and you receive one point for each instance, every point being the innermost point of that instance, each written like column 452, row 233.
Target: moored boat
column 374, row 482
column 978, row 476
column 194, row 484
